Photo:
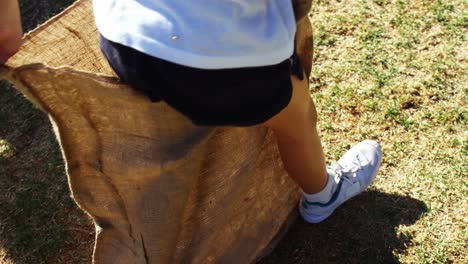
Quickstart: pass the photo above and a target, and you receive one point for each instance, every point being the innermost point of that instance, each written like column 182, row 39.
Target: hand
column 10, row 29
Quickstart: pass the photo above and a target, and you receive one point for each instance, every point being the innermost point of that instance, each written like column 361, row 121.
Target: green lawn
column 389, row 70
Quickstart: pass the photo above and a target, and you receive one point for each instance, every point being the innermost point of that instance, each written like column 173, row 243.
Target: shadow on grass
column 364, row 230
column 37, row 215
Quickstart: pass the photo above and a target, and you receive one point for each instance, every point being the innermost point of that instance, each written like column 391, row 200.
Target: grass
column 389, row 70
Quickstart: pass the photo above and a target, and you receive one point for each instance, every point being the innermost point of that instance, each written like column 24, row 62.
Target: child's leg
column 301, row 151
column 298, row 139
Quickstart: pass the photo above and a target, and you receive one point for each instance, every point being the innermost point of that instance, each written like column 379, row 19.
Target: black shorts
column 225, row 97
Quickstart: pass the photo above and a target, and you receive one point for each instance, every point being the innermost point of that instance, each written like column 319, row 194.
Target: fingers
column 9, row 45
column 3, row 36
column 10, row 29
column 3, row 59
column 3, row 40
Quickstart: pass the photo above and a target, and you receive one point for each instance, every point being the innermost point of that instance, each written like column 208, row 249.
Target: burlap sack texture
column 159, row 189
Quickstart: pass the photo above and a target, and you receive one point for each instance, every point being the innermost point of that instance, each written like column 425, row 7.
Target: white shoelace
column 347, row 172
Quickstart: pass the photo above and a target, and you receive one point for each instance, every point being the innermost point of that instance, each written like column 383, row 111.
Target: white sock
column 325, row 194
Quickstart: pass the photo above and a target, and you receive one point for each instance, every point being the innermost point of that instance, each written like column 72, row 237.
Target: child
column 225, row 63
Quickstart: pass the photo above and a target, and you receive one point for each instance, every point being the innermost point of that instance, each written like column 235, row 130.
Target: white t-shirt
column 207, row 34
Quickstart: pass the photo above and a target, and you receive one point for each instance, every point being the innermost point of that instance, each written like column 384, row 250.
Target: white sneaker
column 353, row 173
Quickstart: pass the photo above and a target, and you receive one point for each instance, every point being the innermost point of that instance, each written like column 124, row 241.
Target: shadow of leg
column 363, row 230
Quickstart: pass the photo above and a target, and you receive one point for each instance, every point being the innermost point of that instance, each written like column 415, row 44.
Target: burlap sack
column 159, row 189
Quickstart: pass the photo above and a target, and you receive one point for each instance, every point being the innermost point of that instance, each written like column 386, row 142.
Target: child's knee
column 300, row 112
